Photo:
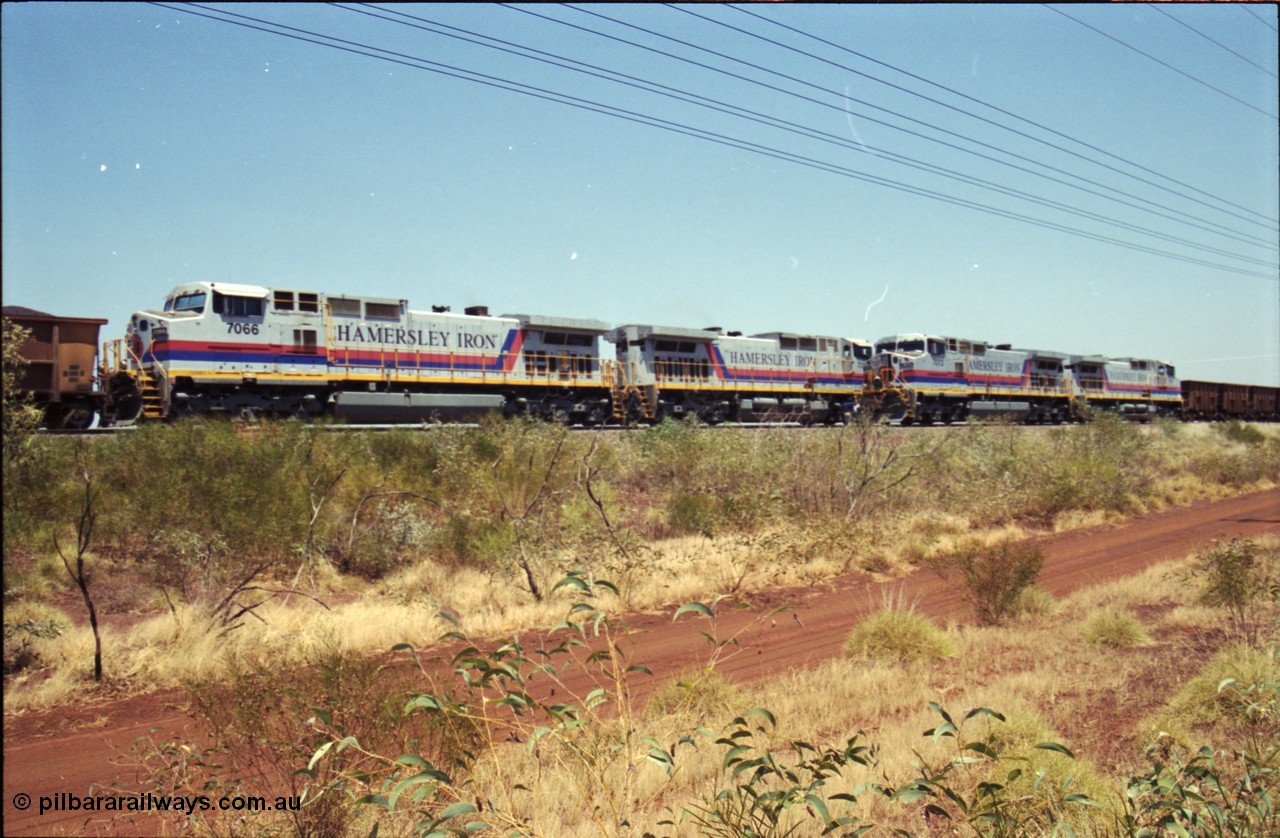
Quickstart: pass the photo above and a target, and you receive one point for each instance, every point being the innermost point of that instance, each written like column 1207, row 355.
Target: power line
column 1244, row 7
column 1220, row 229
column 415, row 62
column 1164, row 64
column 1157, row 8
column 595, row 71
column 1019, row 118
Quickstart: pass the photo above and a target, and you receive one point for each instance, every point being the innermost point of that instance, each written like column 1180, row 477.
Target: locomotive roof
column 574, row 324
column 796, row 335
column 235, row 289
column 633, row 332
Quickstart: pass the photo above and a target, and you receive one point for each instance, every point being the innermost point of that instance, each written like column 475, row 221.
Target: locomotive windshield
column 186, row 302
column 916, row 346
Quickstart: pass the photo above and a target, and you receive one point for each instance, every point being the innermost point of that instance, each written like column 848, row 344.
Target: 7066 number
column 242, row 328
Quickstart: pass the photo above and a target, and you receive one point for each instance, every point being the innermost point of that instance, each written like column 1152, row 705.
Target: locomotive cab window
column 936, row 347
column 282, row 301
column 186, row 302
column 308, row 302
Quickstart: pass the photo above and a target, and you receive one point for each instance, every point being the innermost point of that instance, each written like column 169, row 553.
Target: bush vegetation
column 1116, row 629
column 898, row 634
column 245, row 554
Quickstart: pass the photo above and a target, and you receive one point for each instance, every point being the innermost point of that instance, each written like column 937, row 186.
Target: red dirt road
column 73, row 750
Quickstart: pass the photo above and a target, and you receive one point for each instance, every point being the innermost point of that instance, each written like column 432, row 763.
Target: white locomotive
column 247, row 350
column 925, row 378
column 728, row 377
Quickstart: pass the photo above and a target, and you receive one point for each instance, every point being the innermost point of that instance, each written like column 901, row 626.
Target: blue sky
column 145, row 146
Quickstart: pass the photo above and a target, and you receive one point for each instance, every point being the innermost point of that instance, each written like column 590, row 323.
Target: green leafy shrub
column 1242, row 578
column 994, row 577
column 1237, row 431
column 692, row 513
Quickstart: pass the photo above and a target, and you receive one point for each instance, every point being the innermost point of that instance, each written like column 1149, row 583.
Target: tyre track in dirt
column 70, row 750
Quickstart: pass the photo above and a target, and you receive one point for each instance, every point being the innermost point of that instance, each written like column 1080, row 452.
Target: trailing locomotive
column 249, row 350
column 718, row 378
column 923, row 378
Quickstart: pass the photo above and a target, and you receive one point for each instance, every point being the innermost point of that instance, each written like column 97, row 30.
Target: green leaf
column 413, row 760
column 572, row 581
column 319, row 755
column 983, row 711
column 457, row 809
column 1054, row 746
column 373, row 799
column 428, row 702
column 693, row 607
column 417, row 779
column 819, row 806
column 982, row 748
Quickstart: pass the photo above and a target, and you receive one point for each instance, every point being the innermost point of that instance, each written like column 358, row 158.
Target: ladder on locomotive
column 623, row 393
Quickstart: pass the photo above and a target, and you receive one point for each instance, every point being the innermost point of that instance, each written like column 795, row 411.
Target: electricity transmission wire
column 1195, row 222
column 1164, row 64
column 415, row 62
column 1157, row 8
column 1271, row 221
column 1244, row 7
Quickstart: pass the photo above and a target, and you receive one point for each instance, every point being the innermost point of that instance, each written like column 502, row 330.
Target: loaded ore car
column 61, row 356
column 1216, row 401
column 1264, row 403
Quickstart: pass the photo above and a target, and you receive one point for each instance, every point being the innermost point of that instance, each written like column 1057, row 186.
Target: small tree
column 84, row 536
column 994, row 576
column 1240, row 577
